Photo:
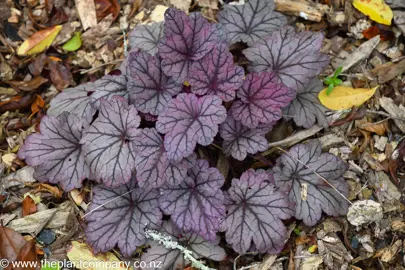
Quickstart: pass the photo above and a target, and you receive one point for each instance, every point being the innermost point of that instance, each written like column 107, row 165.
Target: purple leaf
column 250, row 22
column 240, row 140
column 119, row 216
column 173, row 259
column 124, row 67
column 306, row 108
column 74, row 100
column 150, row 89
column 146, row 37
column 153, row 168
column 188, row 120
column 108, row 143
column 56, row 153
column 262, row 98
column 107, row 87
column 310, row 193
column 294, row 57
column 197, row 203
column 216, row 74
column 186, row 39
column 254, row 214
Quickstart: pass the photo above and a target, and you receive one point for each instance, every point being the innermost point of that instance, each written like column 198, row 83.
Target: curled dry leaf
column 29, row 85
column 28, row 206
column 40, row 41
column 106, row 7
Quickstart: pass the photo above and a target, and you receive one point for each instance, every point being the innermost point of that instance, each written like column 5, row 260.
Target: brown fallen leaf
column 27, row 254
column 28, row 206
column 60, row 75
column 11, row 242
column 37, row 65
column 28, row 86
column 106, row 7
column 17, row 103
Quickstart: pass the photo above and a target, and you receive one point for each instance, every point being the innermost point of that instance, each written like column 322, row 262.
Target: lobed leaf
column 311, row 194
column 186, row 39
column 261, row 99
column 294, row 57
column 188, row 120
column 306, row 109
column 119, row 216
column 150, row 90
column 173, row 259
column 254, row 213
column 152, row 165
column 240, row 140
column 216, row 74
column 107, row 87
column 146, row 37
column 74, row 100
column 56, row 153
column 108, row 143
column 251, row 21
column 196, row 204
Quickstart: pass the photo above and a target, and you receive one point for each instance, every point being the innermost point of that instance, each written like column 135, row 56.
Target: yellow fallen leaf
column 84, row 258
column 377, row 10
column 343, row 97
column 40, row 41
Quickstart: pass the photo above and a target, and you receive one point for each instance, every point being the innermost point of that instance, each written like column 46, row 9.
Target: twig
column 249, row 266
column 386, row 115
column 240, row 255
column 107, row 202
column 84, row 71
column 297, row 137
column 317, row 174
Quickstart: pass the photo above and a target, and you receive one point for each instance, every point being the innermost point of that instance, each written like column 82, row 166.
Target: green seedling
column 333, row 80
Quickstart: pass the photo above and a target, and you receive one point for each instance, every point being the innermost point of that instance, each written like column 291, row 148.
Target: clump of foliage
column 333, row 81
column 142, row 135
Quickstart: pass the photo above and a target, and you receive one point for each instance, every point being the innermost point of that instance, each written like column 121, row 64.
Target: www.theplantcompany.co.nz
column 80, row 264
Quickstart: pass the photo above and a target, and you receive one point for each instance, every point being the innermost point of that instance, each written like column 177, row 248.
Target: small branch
column 317, row 174
column 240, row 255
column 294, row 139
column 84, row 71
column 386, row 115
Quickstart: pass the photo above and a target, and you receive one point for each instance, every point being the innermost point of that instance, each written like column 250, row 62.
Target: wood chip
column 301, row 9
column 54, row 218
column 361, row 53
column 183, row 5
column 87, row 13
column 394, row 111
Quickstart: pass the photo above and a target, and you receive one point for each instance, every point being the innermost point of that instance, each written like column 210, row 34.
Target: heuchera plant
column 142, row 135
